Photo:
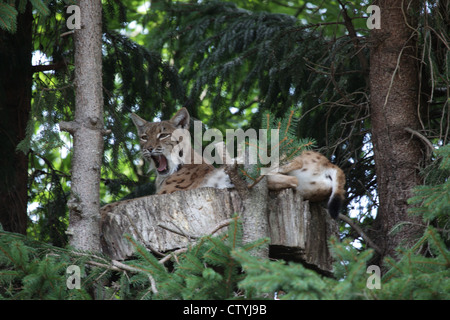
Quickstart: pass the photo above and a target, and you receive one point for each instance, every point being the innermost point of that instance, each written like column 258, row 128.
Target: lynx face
column 157, row 144
column 161, row 145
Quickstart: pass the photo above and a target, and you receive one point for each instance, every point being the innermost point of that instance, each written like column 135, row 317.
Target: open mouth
column 161, row 164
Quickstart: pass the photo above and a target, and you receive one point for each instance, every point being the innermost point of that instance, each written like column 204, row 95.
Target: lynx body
column 314, row 177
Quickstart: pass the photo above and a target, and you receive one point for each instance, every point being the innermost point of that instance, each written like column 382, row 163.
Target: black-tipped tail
column 334, row 206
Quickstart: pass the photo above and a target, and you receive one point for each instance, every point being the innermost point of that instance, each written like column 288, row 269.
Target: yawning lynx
column 157, row 145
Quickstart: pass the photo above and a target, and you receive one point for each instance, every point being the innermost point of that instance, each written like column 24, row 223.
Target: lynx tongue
column 162, row 163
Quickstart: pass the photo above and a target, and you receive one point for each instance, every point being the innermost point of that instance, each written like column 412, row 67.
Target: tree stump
column 298, row 230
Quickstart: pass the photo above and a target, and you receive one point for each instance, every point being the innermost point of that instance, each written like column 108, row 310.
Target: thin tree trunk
column 87, row 129
column 255, row 222
column 255, row 203
column 394, row 104
column 15, row 106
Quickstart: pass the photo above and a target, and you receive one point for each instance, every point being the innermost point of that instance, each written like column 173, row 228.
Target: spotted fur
column 315, row 178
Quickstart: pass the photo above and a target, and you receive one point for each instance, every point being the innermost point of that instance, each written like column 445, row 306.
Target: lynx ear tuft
column 181, row 119
column 138, row 121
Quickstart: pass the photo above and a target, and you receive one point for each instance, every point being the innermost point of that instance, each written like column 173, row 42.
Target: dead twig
column 422, row 137
column 361, row 233
column 119, row 266
column 178, row 232
column 221, row 225
column 172, row 254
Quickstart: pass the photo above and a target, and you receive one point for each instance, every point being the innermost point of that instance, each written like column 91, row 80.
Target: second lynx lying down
column 315, row 178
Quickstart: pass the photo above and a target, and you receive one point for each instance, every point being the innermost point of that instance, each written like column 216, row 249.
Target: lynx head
column 159, row 143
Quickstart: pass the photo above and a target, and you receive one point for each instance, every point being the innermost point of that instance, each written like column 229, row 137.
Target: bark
column 87, row 130
column 15, row 106
column 255, row 220
column 394, row 104
column 298, row 230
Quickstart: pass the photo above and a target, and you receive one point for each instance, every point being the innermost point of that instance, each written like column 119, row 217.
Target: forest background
column 374, row 100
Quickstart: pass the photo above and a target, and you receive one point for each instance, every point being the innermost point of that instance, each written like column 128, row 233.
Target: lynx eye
column 162, row 136
column 144, row 137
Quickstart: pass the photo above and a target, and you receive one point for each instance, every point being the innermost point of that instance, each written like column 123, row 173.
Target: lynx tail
column 335, row 205
column 337, row 195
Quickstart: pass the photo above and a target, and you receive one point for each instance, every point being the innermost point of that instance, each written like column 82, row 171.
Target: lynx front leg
column 280, row 181
column 295, row 164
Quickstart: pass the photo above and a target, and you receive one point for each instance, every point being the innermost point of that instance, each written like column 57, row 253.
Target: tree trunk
column 15, row 106
column 299, row 231
column 255, row 220
column 87, row 130
column 394, row 104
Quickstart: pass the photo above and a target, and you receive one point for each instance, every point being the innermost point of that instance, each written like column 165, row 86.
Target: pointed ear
column 138, row 121
column 181, row 119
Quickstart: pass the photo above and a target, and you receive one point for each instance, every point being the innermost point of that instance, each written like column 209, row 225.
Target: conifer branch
column 361, row 233
column 256, row 181
column 70, row 127
column 298, row 149
column 48, row 67
column 247, row 175
column 289, row 122
column 354, row 37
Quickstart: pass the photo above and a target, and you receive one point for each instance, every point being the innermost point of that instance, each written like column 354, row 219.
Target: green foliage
column 434, row 199
column 221, row 267
column 419, row 276
column 263, row 277
column 35, row 270
column 414, row 276
column 298, row 282
column 207, row 270
column 254, row 57
column 9, row 12
column 240, row 56
column 288, row 145
column 41, row 6
column 8, row 17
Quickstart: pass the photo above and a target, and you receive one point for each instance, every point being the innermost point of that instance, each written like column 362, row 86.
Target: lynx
column 315, row 178
column 311, row 174
column 157, row 146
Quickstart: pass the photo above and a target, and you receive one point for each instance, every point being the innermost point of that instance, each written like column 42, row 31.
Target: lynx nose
column 157, row 150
